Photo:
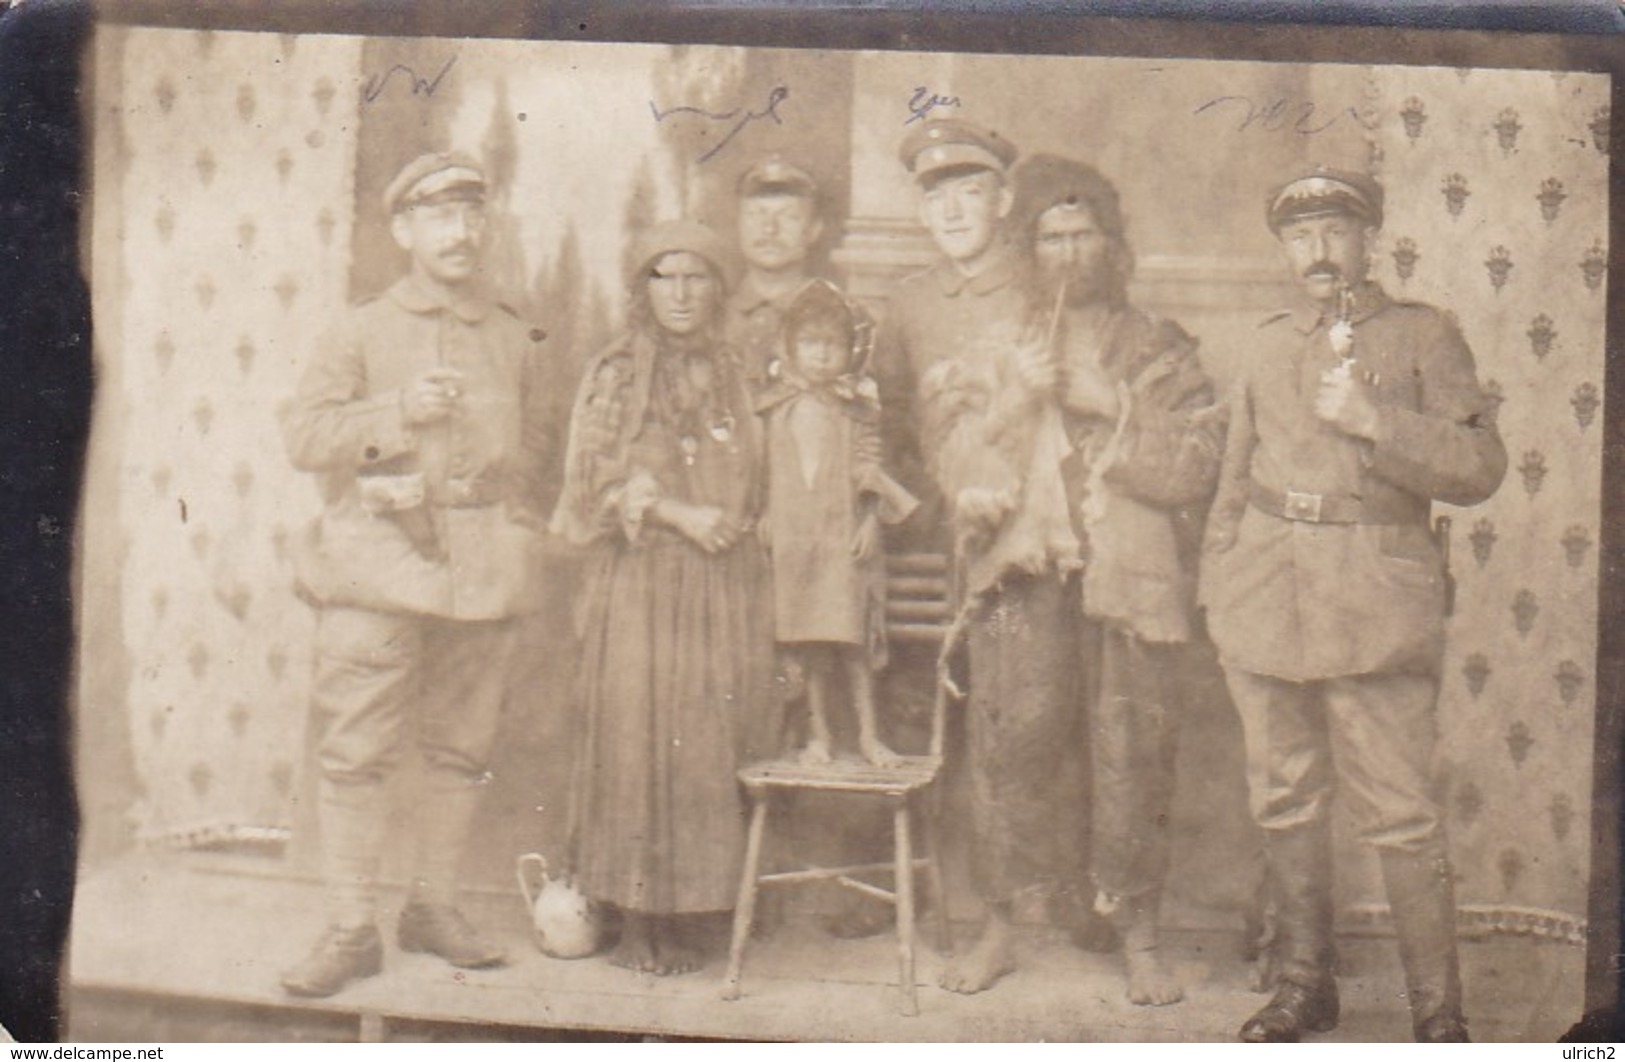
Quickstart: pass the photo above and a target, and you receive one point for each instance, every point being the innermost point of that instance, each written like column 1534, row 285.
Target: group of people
column 734, row 460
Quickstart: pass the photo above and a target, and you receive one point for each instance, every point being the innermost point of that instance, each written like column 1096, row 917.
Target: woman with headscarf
column 662, row 490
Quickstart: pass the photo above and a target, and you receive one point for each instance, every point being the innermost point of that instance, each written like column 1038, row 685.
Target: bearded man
column 1141, row 441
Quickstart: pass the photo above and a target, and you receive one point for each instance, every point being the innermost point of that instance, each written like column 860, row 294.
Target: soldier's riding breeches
column 1372, row 735
column 383, row 678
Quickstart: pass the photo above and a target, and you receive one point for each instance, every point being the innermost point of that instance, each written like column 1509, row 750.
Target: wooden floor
column 158, row 937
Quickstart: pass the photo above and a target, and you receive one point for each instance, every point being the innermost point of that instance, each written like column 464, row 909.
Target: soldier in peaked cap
column 1320, row 191
column 415, row 414
column 944, row 369
column 439, row 176
column 779, row 224
column 1327, row 594
column 954, row 143
column 959, row 171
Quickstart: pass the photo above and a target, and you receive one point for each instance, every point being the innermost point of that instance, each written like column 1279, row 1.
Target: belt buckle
column 1301, row 506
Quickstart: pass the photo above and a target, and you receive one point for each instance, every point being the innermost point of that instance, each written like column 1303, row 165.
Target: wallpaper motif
column 237, row 207
column 236, row 203
column 1497, row 210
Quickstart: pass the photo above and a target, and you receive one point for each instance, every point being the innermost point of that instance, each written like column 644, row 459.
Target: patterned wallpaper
column 235, row 197
column 1497, row 210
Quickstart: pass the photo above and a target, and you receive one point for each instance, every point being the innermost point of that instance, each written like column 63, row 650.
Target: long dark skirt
column 677, row 693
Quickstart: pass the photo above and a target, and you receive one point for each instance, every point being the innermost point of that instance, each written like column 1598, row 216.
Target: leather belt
column 1326, row 508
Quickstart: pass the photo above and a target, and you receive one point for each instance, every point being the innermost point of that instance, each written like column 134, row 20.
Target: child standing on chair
column 827, row 496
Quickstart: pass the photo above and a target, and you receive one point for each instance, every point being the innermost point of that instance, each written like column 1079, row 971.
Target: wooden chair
column 916, row 611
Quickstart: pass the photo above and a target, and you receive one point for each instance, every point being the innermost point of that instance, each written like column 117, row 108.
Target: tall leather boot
column 1422, row 897
column 1300, row 880
column 353, row 816
column 430, row 921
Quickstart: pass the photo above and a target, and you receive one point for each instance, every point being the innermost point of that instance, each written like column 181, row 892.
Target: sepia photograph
column 712, row 539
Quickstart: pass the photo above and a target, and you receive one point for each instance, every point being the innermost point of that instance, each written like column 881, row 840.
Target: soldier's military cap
column 670, row 237
column 774, row 176
column 945, row 143
column 436, row 174
column 1321, row 190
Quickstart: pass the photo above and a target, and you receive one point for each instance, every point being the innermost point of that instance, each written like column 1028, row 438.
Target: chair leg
column 745, row 909
column 905, row 908
column 939, row 892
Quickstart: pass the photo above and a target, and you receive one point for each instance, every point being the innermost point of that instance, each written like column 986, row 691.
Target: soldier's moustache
column 1323, row 269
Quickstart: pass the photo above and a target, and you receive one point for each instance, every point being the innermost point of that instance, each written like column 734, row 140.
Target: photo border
column 38, row 713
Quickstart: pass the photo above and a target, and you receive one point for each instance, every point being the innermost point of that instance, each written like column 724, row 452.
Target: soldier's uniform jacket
column 1318, row 558
column 467, row 551
column 932, row 315
column 754, row 329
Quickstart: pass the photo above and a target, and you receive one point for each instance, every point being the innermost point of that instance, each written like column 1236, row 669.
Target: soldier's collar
column 414, row 296
column 999, row 272
column 1368, row 299
column 751, row 298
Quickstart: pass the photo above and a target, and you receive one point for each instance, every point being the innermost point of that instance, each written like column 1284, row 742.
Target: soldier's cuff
column 382, row 431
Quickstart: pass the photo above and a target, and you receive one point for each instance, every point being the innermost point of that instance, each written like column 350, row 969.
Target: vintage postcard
column 806, row 537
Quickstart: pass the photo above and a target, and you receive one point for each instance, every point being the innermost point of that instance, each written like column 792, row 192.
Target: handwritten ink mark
column 1279, row 114
column 744, row 117
column 420, row 85
column 924, row 101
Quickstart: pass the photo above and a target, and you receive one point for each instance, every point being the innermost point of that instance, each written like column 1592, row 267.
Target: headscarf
column 671, row 237
column 819, row 300
column 609, row 409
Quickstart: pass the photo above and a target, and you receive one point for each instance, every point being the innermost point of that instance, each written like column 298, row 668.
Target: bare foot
column 636, row 951
column 678, row 959
column 675, row 949
column 879, row 753
column 816, row 751
column 989, row 959
column 1150, row 983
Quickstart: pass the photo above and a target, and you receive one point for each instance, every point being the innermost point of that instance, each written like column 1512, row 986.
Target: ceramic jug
column 566, row 924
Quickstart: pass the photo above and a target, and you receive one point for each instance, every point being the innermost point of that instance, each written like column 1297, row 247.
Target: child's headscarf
column 819, row 301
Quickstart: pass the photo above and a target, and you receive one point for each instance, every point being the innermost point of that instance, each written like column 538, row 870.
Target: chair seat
column 852, row 776
column 904, row 787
